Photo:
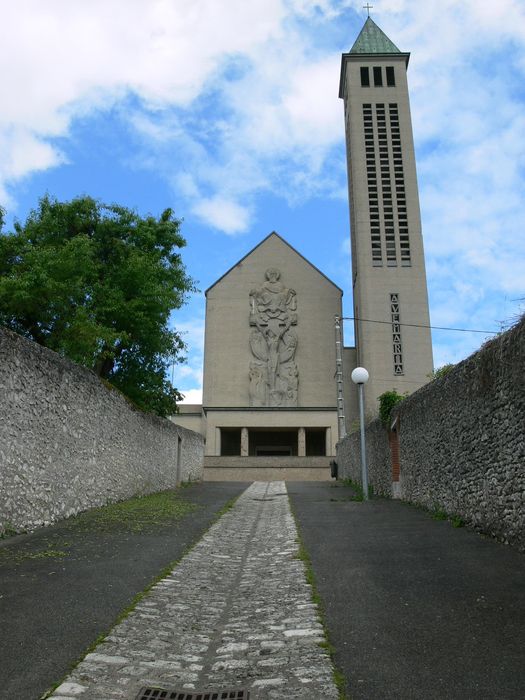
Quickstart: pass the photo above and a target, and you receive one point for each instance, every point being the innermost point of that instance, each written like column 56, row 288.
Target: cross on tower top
column 368, row 7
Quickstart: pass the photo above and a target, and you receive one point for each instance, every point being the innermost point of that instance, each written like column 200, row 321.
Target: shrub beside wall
column 462, row 442
column 69, row 443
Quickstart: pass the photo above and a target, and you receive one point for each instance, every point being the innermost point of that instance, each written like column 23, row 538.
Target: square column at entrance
column 301, row 442
column 245, row 442
column 329, row 448
column 217, row 441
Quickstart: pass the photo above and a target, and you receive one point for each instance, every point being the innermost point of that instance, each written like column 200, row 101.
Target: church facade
column 269, row 363
column 270, row 401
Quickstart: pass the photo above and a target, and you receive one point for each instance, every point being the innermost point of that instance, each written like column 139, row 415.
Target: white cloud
column 61, row 59
column 223, row 214
column 191, row 328
column 273, row 91
column 192, row 396
column 23, row 152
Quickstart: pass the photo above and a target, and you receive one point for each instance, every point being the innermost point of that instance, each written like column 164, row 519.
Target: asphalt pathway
column 414, row 607
column 53, row 607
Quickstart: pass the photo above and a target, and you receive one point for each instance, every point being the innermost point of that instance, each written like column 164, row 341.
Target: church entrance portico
column 273, row 442
column 299, row 442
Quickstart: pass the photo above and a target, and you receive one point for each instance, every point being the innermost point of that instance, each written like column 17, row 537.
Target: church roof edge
column 273, row 233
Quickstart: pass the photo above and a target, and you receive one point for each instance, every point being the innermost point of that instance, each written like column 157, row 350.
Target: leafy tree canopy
column 97, row 283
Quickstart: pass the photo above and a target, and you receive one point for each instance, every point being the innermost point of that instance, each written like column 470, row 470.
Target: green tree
column 97, row 283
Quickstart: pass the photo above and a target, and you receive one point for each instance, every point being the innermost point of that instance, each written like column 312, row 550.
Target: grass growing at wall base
column 7, row 530
column 10, row 556
column 436, row 512
column 132, row 515
column 440, row 514
column 357, row 489
column 136, row 514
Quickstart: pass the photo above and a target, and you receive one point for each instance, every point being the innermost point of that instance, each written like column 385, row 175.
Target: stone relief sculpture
column 274, row 377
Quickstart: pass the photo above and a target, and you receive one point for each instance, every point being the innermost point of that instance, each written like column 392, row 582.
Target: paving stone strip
column 236, row 612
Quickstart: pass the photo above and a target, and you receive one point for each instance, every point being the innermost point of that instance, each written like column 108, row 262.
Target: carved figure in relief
column 274, row 378
column 258, row 385
column 291, row 375
column 273, row 299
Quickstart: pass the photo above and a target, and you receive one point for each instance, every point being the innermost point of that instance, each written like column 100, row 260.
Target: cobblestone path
column 236, row 612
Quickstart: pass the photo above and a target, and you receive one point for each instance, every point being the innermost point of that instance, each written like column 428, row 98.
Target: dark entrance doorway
column 273, row 442
column 315, row 442
column 230, row 442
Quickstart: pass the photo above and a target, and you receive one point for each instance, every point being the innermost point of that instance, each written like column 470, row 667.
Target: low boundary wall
column 461, row 442
column 69, row 443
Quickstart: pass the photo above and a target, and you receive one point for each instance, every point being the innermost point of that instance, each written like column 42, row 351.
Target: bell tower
column 390, row 300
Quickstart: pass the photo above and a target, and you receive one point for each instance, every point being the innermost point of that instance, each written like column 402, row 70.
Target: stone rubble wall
column 462, row 442
column 378, row 458
column 69, row 443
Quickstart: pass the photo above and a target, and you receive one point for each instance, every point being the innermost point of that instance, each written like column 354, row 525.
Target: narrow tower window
column 402, row 219
column 371, row 170
column 378, row 76
column 386, row 187
column 390, row 76
column 365, row 77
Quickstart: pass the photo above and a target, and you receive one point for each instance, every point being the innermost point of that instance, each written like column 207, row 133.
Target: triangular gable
column 273, row 233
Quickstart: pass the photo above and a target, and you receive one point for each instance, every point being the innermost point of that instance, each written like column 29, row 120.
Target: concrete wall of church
column 190, row 416
column 462, row 442
column 68, row 443
column 227, row 350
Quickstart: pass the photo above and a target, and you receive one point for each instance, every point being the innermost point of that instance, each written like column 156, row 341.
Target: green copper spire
column 371, row 39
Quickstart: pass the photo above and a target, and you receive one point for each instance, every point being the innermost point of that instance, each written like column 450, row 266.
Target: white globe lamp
column 360, row 375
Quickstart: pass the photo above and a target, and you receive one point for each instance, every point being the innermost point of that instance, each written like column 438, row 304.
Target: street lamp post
column 360, row 377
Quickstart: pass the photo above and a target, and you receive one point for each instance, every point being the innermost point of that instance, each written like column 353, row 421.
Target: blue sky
column 227, row 111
